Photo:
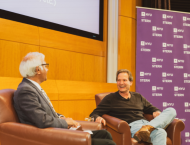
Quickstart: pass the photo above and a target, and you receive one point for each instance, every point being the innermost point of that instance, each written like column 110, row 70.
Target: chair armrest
column 87, row 125
column 117, row 124
column 17, row 134
column 174, row 131
column 118, row 128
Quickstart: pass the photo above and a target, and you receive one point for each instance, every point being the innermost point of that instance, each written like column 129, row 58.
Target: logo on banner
column 143, row 14
column 154, row 28
column 145, row 80
column 142, row 74
column 186, row 19
column 165, row 104
column 143, row 43
column 177, row 61
column 154, row 60
column 176, row 88
column 164, row 16
column 156, row 34
column 175, row 30
column 187, row 104
column 186, row 24
column 185, row 46
column 164, row 74
column 167, row 45
column 178, row 30
column 187, row 110
column 186, row 76
column 187, row 134
column 155, row 88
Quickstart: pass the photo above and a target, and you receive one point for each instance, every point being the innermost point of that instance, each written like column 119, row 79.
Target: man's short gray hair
column 30, row 62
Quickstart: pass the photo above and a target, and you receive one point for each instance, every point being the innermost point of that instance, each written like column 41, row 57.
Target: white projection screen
column 78, row 17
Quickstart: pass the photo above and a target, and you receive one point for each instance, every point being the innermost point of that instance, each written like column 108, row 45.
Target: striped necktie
column 44, row 93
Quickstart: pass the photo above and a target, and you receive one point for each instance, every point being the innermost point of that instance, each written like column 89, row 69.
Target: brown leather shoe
column 144, row 133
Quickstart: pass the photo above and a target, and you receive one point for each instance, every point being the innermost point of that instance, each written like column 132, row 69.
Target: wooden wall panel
column 71, row 57
column 127, row 37
column 78, row 110
column 60, row 40
column 19, row 32
column 55, row 105
column 126, row 46
column 11, row 54
column 67, row 65
column 74, row 99
column 127, row 8
column 50, row 87
column 51, row 58
column 79, row 90
column 9, row 82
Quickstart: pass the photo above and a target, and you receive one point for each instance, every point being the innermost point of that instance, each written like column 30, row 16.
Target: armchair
column 120, row 130
column 13, row 132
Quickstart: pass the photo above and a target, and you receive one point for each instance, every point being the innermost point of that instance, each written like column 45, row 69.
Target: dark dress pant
column 102, row 137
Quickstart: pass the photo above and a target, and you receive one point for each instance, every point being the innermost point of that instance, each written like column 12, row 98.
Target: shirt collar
column 35, row 83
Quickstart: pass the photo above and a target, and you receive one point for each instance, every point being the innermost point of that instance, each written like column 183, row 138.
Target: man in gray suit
column 33, row 105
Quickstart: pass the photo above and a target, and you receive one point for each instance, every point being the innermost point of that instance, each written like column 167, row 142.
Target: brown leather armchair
column 13, row 132
column 121, row 133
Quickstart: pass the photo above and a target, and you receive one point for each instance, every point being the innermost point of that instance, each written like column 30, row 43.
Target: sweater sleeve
column 148, row 107
column 103, row 108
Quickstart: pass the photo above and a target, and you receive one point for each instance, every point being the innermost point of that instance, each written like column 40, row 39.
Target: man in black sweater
column 130, row 106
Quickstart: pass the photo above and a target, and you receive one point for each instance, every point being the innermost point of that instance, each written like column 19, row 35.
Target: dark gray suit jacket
column 33, row 108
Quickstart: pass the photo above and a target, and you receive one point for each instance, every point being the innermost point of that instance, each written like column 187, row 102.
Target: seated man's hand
column 71, row 122
column 155, row 114
column 100, row 120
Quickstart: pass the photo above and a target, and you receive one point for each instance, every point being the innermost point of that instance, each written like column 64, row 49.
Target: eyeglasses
column 46, row 65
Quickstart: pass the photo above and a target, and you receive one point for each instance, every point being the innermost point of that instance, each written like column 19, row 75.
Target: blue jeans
column 158, row 136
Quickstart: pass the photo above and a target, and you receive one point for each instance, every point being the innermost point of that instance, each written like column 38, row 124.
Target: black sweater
column 126, row 109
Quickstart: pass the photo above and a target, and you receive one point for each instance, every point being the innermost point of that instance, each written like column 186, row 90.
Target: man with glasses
column 33, row 105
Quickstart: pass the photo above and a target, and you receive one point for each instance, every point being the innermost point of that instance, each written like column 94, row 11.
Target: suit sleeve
column 148, row 107
column 103, row 108
column 34, row 113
